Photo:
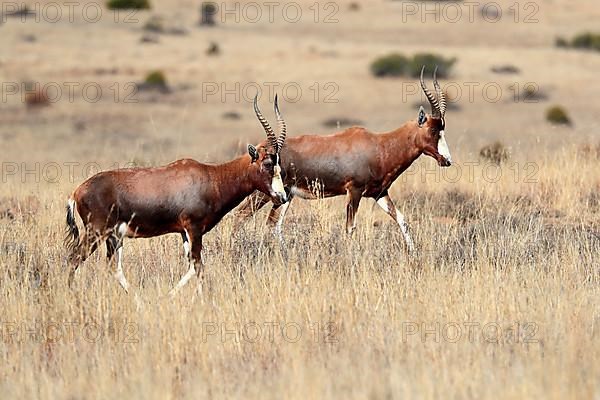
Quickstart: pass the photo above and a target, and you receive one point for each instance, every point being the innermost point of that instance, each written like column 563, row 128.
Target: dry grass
column 517, row 260
column 519, row 255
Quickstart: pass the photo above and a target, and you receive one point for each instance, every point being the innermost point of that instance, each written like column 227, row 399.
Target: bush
column 207, row 14
column 505, row 69
column 430, row 61
column 390, row 65
column 213, row 49
column 532, row 94
column 557, row 116
column 589, row 41
column 232, row 115
column 22, row 11
column 586, row 40
column 399, row 65
column 128, row 4
column 496, row 153
column 156, row 78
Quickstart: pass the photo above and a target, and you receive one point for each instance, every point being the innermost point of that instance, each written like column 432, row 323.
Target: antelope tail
column 72, row 237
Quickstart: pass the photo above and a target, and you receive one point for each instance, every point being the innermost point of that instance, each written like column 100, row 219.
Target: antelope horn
column 440, row 93
column 265, row 124
column 435, row 107
column 282, row 127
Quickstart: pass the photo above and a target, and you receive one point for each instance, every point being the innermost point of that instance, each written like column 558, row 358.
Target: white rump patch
column 72, row 205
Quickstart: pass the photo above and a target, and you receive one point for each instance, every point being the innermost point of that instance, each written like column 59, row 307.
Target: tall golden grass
column 501, row 302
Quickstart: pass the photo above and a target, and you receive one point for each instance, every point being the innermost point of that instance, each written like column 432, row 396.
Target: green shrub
column 156, row 78
column 399, row 65
column 586, row 41
column 390, row 65
column 558, row 116
column 589, row 41
column 430, row 61
column 128, row 4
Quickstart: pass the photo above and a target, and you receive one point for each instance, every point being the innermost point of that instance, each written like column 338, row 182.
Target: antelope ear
column 422, row 117
column 253, row 152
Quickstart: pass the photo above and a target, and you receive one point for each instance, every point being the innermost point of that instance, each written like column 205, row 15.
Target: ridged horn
column 282, row 127
column 265, row 124
column 435, row 107
column 440, row 93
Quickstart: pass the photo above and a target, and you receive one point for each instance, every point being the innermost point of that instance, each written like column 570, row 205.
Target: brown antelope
column 185, row 197
column 358, row 163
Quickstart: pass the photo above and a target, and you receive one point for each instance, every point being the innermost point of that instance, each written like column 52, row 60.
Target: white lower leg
column 119, row 273
column 184, row 280
column 388, row 206
column 279, row 225
column 405, row 233
column 352, row 228
column 186, row 245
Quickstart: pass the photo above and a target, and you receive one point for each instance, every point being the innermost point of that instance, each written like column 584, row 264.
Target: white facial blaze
column 443, row 147
column 277, row 182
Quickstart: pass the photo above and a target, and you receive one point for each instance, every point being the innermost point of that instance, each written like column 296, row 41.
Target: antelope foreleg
column 388, row 206
column 352, row 203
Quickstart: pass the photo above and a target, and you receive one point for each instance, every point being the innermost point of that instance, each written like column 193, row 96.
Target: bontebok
column 358, row 163
column 185, row 197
